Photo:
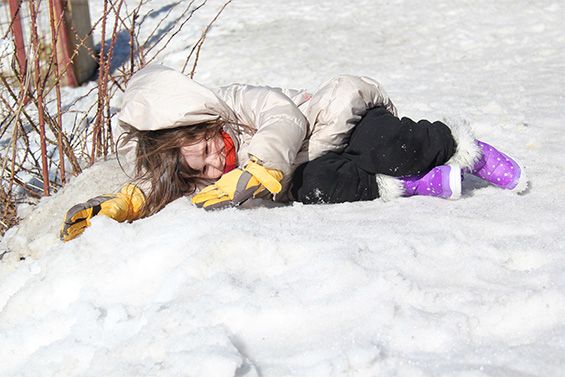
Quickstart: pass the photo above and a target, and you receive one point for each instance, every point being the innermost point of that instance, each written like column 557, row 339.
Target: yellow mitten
column 238, row 185
column 125, row 205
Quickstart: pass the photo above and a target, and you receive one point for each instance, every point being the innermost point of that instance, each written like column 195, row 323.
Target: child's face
column 208, row 156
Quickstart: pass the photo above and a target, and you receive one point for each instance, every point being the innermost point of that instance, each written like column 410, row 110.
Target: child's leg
column 383, row 144
column 333, row 178
column 383, row 147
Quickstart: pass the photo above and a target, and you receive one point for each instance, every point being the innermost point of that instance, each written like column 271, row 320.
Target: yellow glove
column 238, row 185
column 125, row 205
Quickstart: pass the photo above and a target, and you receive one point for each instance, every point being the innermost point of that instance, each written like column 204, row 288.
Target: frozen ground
column 413, row 287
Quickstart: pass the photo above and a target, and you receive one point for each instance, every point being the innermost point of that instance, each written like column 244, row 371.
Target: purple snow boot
column 497, row 168
column 442, row 181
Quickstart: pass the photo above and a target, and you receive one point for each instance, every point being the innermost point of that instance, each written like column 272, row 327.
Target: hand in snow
column 237, row 186
column 123, row 206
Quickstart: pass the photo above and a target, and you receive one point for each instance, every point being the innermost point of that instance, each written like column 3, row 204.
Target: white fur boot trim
column 389, row 187
column 455, row 181
column 467, row 152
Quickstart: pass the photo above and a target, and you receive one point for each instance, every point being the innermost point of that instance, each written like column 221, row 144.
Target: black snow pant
column 380, row 144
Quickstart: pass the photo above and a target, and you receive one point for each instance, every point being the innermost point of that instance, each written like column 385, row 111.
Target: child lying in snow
column 242, row 144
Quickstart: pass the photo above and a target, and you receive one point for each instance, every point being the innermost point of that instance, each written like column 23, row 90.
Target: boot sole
column 523, row 183
column 454, row 182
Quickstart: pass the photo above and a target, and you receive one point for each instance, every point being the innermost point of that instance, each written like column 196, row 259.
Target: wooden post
column 64, row 47
column 75, row 43
column 16, row 26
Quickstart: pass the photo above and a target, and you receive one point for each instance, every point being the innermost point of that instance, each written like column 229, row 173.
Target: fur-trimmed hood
column 159, row 97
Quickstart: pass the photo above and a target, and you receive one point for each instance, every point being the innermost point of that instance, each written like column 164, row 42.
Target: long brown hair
column 159, row 166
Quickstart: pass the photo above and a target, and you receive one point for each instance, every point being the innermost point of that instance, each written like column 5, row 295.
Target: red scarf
column 231, row 156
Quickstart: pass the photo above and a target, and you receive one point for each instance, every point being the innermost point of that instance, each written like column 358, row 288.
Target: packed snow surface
column 413, row 287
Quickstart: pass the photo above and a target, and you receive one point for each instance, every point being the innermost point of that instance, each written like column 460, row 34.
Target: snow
column 412, row 287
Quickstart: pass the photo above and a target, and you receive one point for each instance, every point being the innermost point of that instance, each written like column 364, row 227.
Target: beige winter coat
column 292, row 126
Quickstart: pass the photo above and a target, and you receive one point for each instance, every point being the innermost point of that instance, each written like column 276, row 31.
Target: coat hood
column 158, row 97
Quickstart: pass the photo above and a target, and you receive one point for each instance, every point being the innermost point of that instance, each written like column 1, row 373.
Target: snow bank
column 412, row 287
column 355, row 289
